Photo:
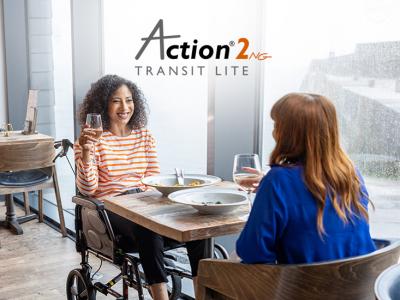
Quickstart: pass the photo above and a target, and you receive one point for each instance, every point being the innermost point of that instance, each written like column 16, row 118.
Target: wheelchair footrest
column 179, row 271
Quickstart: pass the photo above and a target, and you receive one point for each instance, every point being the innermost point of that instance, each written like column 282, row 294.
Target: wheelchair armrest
column 88, row 202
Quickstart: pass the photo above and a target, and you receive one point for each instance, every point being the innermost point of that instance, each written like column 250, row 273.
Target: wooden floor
column 35, row 265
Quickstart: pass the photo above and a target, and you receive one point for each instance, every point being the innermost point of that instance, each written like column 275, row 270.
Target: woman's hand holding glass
column 90, row 135
column 252, row 180
column 247, row 172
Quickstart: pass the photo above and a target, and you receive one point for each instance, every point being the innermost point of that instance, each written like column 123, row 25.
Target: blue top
column 282, row 226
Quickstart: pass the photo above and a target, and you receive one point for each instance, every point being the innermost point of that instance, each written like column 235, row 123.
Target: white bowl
column 211, row 201
column 167, row 184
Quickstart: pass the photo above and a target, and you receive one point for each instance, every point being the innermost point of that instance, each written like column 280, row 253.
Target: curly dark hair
column 96, row 101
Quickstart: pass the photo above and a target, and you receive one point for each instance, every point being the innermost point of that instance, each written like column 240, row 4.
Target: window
column 349, row 52
column 50, row 72
column 63, row 100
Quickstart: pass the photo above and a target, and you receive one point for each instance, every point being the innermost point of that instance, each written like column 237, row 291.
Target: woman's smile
column 124, row 115
column 121, row 106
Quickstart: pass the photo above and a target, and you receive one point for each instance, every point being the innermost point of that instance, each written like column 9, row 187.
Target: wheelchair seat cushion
column 23, row 178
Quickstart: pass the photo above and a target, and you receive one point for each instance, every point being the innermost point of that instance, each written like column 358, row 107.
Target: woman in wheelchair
column 312, row 205
column 113, row 163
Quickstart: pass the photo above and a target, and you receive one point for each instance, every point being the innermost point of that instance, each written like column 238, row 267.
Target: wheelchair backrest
column 93, row 229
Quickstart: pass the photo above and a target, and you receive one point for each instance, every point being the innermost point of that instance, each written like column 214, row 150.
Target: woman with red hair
column 312, row 205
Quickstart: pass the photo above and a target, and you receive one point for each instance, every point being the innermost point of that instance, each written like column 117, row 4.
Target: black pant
column 150, row 246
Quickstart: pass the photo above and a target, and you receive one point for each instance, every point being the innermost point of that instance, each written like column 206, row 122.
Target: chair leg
column 59, row 203
column 26, row 204
column 40, row 205
column 11, row 220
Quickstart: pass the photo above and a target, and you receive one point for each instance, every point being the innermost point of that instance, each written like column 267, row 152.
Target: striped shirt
column 118, row 164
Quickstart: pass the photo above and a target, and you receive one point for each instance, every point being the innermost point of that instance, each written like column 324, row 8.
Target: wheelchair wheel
column 220, row 252
column 174, row 284
column 78, row 288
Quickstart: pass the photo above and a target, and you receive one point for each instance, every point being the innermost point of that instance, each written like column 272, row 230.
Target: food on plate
column 192, row 183
column 211, row 202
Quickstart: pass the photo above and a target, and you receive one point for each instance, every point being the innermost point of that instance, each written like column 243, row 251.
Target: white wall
column 3, row 94
column 178, row 104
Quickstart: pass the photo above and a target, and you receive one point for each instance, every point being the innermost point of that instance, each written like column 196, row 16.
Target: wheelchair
column 95, row 235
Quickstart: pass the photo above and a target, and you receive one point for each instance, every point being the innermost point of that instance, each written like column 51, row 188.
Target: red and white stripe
column 119, row 164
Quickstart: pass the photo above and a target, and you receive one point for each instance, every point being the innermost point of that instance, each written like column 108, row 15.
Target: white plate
column 211, row 201
column 166, row 183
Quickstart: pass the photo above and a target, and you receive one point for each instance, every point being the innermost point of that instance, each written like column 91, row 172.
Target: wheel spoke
column 83, row 294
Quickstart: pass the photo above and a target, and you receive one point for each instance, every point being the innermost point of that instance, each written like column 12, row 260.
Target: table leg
column 11, row 220
column 209, row 248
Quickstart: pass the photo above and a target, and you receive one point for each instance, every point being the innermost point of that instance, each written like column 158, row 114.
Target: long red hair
column 306, row 132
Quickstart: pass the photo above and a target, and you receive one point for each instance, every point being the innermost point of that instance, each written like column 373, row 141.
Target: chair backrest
column 351, row 278
column 387, row 286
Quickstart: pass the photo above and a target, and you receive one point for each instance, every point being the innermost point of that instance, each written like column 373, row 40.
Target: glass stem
column 249, row 198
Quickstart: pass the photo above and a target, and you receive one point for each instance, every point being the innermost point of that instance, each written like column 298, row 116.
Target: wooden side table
column 27, row 152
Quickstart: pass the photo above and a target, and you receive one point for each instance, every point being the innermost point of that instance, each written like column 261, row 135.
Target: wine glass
column 247, row 172
column 94, row 123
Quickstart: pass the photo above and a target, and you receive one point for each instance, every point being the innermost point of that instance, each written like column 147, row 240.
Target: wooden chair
column 387, row 285
column 351, row 278
column 28, row 152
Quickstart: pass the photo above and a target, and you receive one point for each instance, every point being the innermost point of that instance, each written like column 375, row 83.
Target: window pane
column 55, row 110
column 63, row 99
column 349, row 52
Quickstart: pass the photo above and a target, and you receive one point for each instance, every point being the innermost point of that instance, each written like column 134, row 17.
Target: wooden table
column 177, row 221
column 20, row 152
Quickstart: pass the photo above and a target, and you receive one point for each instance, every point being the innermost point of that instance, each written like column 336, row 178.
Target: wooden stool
column 28, row 152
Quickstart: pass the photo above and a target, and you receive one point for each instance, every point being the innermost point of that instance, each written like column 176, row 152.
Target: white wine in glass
column 246, row 181
column 247, row 172
column 95, row 124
